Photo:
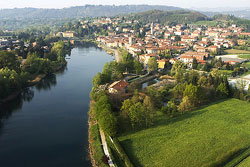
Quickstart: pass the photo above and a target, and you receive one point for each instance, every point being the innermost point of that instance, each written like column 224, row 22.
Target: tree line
column 15, row 71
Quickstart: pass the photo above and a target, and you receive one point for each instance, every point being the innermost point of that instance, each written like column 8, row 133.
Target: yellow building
column 68, row 34
column 162, row 63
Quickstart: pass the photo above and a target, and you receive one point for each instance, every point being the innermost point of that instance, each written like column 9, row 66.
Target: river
column 47, row 126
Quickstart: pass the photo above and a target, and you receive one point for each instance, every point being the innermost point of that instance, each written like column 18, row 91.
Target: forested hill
column 177, row 17
column 80, row 11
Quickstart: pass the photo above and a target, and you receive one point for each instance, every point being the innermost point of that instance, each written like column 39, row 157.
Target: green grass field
column 244, row 56
column 244, row 163
column 247, row 65
column 227, row 72
column 236, row 51
column 206, row 136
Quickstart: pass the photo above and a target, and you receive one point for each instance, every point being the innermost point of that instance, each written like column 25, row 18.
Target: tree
column 10, row 81
column 248, row 91
column 108, row 122
column 134, row 86
column 186, row 104
column 222, row 90
column 9, row 60
column 195, row 63
column 172, row 108
column 241, row 84
column 125, row 108
column 178, row 90
column 138, row 67
column 102, row 103
column 178, row 70
column 191, row 91
column 136, row 115
column 106, row 72
column 149, row 111
column 152, row 64
column 203, row 81
column 155, row 97
column 193, row 77
column 97, row 80
column 207, row 67
column 135, row 99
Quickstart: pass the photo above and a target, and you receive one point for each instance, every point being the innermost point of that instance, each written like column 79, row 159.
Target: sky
column 177, row 3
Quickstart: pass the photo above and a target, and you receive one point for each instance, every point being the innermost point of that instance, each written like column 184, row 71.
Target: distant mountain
column 178, row 17
column 79, row 11
column 243, row 12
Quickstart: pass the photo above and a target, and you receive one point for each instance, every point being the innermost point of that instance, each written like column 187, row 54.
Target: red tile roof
column 120, row 85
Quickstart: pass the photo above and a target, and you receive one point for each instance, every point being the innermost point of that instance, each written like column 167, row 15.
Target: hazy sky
column 68, row 3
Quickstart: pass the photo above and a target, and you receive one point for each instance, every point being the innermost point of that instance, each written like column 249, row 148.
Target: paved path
column 105, row 148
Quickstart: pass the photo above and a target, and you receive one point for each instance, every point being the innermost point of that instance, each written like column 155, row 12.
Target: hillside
column 159, row 16
column 79, row 11
column 243, row 13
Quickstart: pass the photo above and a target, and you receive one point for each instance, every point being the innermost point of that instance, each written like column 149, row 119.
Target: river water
column 47, row 126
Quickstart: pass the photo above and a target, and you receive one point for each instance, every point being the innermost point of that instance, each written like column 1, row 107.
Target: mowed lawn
column 194, row 139
column 245, row 163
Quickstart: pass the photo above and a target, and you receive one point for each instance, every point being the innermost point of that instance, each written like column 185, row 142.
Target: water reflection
column 7, row 109
column 26, row 95
column 50, row 128
column 47, row 83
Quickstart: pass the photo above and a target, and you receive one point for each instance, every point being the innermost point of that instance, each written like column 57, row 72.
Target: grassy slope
column 226, row 72
column 245, row 163
column 244, row 56
column 248, row 65
column 194, row 139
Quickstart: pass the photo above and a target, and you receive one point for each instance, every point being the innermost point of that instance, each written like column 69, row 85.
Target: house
column 199, row 48
column 198, row 55
column 188, row 57
column 213, row 49
column 145, row 57
column 167, row 34
column 178, row 33
column 152, row 50
column 241, row 42
column 172, row 60
column 196, row 34
column 188, row 39
column 162, row 63
column 118, row 87
column 68, row 34
column 34, row 44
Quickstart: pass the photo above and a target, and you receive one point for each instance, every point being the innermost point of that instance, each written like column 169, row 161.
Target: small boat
column 68, row 58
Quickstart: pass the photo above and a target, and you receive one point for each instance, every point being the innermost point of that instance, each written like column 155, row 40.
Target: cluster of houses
column 11, row 44
column 189, row 42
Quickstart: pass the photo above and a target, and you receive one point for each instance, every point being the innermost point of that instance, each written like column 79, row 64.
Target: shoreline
column 91, row 121
column 91, row 149
column 30, row 83
column 96, row 152
column 113, row 52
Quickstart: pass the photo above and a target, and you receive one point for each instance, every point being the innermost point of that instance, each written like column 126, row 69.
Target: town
column 161, row 88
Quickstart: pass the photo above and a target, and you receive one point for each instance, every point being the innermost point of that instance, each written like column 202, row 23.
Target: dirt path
column 105, row 148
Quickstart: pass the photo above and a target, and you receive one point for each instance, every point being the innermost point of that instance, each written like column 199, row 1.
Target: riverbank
column 95, row 145
column 114, row 52
column 36, row 79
